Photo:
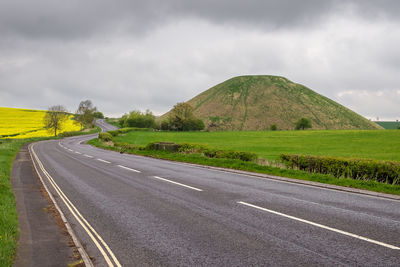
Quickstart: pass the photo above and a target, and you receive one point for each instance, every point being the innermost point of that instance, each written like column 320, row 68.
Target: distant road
column 135, row 211
column 105, row 126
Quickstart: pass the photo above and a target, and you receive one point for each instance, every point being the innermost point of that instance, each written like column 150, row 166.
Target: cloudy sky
column 126, row 55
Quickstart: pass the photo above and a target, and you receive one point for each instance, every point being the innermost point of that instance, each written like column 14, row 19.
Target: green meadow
column 371, row 144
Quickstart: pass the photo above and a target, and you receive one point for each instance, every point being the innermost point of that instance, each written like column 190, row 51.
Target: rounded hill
column 257, row 102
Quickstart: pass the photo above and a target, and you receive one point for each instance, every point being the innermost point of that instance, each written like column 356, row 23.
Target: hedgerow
column 201, row 149
column 106, row 137
column 360, row 169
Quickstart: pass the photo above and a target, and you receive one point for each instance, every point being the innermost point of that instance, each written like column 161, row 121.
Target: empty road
column 134, row 211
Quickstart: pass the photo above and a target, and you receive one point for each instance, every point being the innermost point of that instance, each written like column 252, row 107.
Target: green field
column 388, row 124
column 373, row 144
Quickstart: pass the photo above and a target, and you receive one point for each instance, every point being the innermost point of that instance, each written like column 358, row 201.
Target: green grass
column 388, row 124
column 372, row 144
column 253, row 167
column 8, row 213
column 254, row 102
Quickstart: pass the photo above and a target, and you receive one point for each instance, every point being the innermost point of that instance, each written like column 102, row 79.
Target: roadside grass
column 253, row 167
column 371, row 144
column 8, row 213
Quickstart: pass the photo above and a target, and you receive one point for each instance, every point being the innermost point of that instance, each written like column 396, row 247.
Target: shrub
column 168, row 146
column 244, row 156
column 68, row 134
column 192, row 148
column 303, row 123
column 362, row 169
column 182, row 118
column 138, row 119
column 113, row 133
column 106, row 137
column 126, row 146
column 201, row 149
column 273, row 127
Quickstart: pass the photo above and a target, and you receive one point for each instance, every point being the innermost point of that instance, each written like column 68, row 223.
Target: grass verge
column 253, row 167
column 8, row 212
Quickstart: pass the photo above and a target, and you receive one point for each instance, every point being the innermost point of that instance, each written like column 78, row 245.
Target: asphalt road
column 135, row 211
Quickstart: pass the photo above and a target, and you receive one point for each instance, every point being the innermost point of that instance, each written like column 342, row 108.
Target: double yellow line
column 97, row 239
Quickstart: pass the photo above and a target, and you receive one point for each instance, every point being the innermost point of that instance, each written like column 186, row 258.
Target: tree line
column 57, row 115
column 180, row 118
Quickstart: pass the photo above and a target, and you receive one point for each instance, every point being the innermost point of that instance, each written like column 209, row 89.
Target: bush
column 68, row 134
column 361, row 169
column 201, row 149
column 105, row 137
column 168, row 146
column 273, row 127
column 192, row 148
column 113, row 133
column 303, row 124
column 138, row 119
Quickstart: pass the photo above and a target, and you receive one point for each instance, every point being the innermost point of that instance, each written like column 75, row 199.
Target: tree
column 98, row 115
column 85, row 114
column 273, row 127
column 303, row 123
column 138, row 119
column 55, row 118
column 182, row 118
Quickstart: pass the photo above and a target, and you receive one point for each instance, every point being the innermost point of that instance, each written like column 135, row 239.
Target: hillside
column 256, row 102
column 26, row 123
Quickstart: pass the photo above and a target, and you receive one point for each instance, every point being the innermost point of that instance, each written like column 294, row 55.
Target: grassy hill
column 256, row 102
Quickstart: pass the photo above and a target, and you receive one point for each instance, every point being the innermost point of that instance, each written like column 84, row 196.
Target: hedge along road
column 135, row 211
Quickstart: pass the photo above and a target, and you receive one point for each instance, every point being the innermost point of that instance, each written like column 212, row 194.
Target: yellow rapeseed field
column 25, row 123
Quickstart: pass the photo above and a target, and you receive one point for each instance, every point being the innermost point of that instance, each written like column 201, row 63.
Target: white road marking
column 86, row 155
column 166, row 180
column 321, row 226
column 130, row 169
column 78, row 216
column 102, row 160
column 70, row 150
column 78, row 152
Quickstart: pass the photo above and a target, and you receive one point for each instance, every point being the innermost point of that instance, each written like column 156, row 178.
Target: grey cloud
column 82, row 19
column 151, row 54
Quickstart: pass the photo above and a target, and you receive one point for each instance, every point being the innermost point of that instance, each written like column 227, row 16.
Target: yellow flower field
column 26, row 123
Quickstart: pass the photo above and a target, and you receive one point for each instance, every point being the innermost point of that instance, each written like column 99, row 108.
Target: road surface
column 134, row 211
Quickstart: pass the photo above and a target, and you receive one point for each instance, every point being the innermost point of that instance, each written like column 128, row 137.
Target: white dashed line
column 78, row 152
column 169, row 181
column 88, row 156
column 130, row 169
column 70, row 150
column 102, row 160
column 321, row 226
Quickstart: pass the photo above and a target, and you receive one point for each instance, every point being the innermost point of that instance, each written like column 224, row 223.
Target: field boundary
column 304, row 182
column 277, row 178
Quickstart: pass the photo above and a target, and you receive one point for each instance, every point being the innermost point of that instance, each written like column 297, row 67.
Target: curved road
column 134, row 211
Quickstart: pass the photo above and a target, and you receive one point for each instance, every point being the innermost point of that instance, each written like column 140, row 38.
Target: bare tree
column 85, row 113
column 55, row 118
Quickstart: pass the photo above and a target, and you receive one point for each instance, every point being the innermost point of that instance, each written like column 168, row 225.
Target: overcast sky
column 126, row 55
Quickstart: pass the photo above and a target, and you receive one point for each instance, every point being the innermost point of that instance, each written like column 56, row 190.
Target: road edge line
column 85, row 257
column 279, row 178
